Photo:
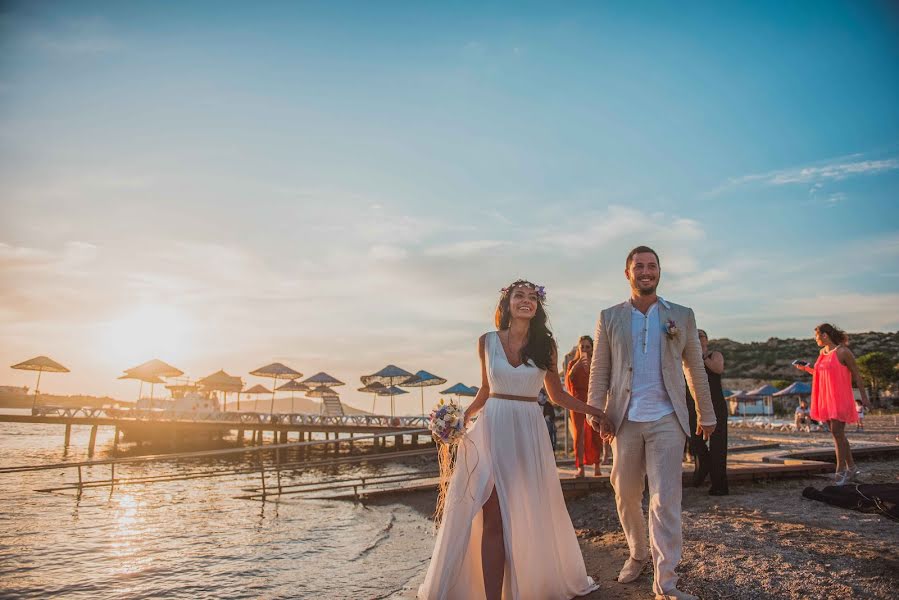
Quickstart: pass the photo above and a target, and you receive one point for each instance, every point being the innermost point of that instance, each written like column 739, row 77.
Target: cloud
column 466, row 248
column 21, row 258
column 17, row 257
column 816, row 175
column 386, row 252
column 590, row 232
column 87, row 36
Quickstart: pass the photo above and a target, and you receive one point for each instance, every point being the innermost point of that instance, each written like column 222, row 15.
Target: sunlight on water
column 193, row 538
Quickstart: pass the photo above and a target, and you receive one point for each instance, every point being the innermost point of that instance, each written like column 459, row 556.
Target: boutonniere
column 671, row 329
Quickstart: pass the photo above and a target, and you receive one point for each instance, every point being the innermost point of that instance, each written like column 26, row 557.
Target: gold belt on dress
column 511, row 397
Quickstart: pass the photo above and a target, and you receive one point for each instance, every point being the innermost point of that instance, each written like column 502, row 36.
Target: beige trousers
column 653, row 450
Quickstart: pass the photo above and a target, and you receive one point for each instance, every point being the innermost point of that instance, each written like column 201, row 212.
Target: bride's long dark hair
column 540, row 346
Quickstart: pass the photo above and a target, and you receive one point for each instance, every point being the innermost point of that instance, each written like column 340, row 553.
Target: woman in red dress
column 588, row 445
column 832, row 398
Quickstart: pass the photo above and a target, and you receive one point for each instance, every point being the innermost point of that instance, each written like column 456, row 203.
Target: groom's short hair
column 639, row 250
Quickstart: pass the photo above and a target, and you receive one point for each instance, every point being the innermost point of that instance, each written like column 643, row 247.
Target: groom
column 643, row 349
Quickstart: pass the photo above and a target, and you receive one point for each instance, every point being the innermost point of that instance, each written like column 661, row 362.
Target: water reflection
column 189, row 539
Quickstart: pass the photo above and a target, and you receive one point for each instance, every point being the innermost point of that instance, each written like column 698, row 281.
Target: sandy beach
column 763, row 542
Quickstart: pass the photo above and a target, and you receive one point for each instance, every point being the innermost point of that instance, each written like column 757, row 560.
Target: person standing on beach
column 587, row 443
column 833, row 402
column 644, row 347
column 711, row 460
column 801, row 420
column 506, row 532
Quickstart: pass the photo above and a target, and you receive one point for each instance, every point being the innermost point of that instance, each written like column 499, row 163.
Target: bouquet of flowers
column 447, row 422
column 447, row 425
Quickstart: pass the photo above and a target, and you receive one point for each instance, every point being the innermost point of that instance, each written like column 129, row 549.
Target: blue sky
column 343, row 185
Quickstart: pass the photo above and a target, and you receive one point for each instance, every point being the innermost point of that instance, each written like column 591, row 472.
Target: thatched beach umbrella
column 460, row 389
column 421, row 380
column 257, row 389
column 321, row 391
column 373, row 388
column 150, row 372
column 390, row 376
column 222, row 382
column 276, row 371
column 293, row 386
column 143, row 378
column 39, row 364
column 392, row 392
column 322, row 378
column 155, row 367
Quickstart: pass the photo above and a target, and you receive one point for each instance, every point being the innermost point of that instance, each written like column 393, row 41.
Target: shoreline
column 764, row 541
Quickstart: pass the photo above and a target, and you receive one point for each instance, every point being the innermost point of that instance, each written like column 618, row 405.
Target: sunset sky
column 339, row 186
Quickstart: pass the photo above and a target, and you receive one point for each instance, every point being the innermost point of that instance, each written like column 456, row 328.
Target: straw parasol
column 373, row 388
column 155, row 367
column 390, row 376
column 257, row 389
column 40, row 364
column 322, row 378
column 276, row 371
column 222, row 382
column 421, row 380
column 321, row 391
column 391, row 392
column 460, row 389
column 145, row 378
column 150, row 372
column 293, row 386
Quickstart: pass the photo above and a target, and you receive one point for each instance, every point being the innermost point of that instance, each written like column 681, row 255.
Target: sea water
column 191, row 538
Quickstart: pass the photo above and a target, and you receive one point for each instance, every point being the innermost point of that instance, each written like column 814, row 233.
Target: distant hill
column 16, row 397
column 771, row 359
column 11, row 397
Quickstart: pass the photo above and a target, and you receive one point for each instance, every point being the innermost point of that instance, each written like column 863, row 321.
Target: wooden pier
column 748, row 463
column 140, row 425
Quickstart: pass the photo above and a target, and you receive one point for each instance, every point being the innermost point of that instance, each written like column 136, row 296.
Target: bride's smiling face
column 523, row 302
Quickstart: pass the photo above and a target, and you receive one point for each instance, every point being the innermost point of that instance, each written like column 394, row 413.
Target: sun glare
column 148, row 331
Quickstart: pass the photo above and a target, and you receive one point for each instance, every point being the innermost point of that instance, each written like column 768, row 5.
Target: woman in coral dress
column 506, row 533
column 832, row 399
column 588, row 445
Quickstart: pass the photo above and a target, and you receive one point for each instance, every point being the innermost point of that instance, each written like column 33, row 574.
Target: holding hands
column 601, row 423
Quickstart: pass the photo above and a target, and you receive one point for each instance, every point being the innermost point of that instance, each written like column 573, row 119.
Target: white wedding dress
column 507, row 447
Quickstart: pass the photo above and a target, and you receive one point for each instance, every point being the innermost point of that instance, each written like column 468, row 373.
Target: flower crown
column 541, row 290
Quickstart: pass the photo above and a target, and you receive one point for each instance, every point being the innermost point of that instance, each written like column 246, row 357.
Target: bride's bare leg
column 493, row 550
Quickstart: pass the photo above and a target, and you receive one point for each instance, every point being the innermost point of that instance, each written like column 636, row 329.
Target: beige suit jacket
column 611, row 371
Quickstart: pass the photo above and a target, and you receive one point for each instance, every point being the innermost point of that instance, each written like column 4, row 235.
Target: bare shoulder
column 844, row 353
column 482, row 342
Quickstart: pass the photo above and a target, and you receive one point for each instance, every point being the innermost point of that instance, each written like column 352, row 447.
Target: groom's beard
column 643, row 291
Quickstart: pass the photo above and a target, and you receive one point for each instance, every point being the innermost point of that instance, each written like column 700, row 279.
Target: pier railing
column 235, row 418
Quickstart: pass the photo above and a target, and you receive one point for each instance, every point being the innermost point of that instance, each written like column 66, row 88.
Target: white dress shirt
column 649, row 398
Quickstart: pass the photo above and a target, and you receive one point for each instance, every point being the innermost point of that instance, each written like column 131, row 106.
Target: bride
column 506, row 532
